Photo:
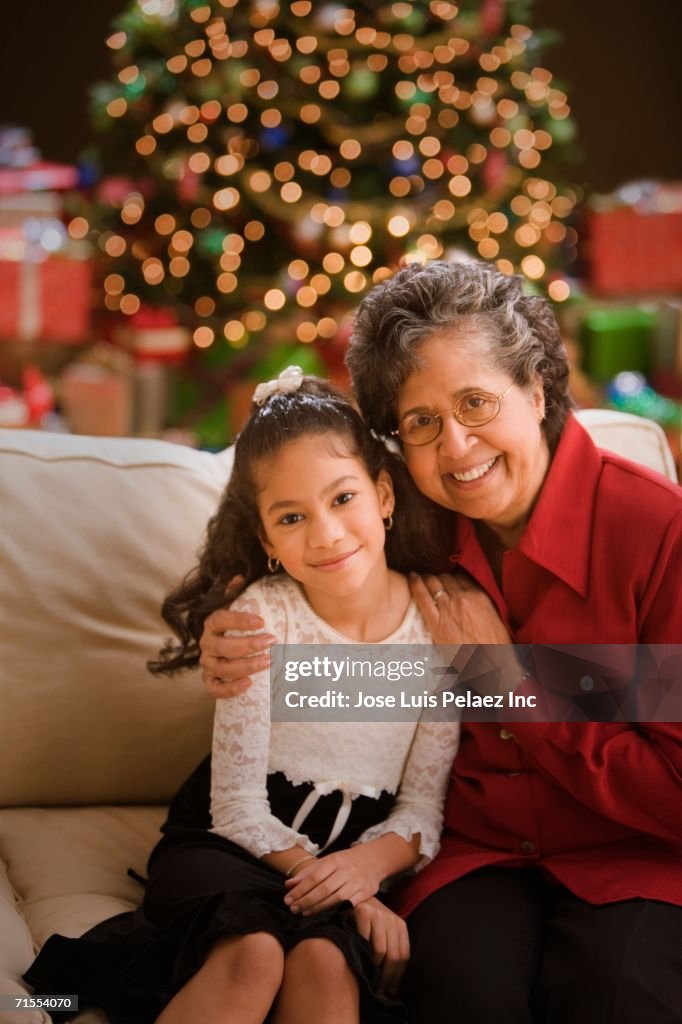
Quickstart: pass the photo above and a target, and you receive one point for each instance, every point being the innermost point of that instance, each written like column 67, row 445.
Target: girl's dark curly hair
column 232, row 546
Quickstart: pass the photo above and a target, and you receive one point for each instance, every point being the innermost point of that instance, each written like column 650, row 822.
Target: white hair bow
column 288, row 381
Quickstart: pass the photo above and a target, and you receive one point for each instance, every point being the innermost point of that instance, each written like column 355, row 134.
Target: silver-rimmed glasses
column 473, row 409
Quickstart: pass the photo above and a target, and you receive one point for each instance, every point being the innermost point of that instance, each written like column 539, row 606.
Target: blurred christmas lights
column 292, row 154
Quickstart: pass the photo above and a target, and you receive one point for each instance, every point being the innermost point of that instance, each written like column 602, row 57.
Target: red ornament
column 114, row 190
column 494, row 171
column 188, row 186
column 492, row 17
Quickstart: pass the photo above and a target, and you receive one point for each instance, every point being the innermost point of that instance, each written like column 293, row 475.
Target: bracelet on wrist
column 291, row 871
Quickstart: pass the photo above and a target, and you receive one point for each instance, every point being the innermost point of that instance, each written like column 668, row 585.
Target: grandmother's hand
column 228, row 662
column 457, row 611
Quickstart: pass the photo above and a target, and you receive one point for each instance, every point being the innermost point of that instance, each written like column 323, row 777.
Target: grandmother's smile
column 475, row 474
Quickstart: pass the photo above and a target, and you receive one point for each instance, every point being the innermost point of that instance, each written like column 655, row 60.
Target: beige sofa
column 93, row 532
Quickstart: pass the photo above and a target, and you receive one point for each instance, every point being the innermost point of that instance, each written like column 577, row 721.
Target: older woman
column 557, row 895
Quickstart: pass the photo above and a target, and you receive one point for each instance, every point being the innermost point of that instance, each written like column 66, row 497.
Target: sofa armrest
column 17, row 950
column 633, row 437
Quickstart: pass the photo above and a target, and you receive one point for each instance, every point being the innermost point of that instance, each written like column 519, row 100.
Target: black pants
column 508, row 946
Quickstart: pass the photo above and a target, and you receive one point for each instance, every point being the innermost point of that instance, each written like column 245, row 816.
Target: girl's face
column 322, row 513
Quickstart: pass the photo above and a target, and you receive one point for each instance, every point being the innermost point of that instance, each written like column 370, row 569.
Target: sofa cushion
column 68, row 872
column 68, row 865
column 94, row 532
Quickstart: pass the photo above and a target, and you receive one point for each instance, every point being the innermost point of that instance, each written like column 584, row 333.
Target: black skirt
column 201, row 888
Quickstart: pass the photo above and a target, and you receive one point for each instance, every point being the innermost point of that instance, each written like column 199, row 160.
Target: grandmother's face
column 492, row 472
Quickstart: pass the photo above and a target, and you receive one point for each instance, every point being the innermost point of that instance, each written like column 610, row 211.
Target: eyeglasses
column 474, row 409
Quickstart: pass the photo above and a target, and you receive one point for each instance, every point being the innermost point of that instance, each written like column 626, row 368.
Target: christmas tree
column 280, row 158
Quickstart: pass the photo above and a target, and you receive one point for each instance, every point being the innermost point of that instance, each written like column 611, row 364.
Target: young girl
column 262, row 900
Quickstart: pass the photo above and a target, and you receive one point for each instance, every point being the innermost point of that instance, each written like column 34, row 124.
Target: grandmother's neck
column 502, row 538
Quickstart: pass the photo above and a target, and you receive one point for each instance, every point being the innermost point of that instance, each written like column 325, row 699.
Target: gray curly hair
column 469, row 297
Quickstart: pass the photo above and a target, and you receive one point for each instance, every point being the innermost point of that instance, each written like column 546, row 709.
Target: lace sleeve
column 421, row 798
column 240, row 809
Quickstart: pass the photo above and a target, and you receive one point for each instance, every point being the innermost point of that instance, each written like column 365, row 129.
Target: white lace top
column 412, row 759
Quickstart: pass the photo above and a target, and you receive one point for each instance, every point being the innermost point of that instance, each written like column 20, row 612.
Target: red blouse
column 597, row 805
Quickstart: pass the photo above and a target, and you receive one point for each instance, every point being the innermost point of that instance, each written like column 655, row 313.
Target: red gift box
column 153, row 334
column 48, row 300
column 38, row 177
column 633, row 253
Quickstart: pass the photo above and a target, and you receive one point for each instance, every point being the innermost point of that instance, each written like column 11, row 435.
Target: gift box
column 38, row 177
column 44, row 278
column 618, row 339
column 635, row 253
column 97, row 393
column 153, row 333
column 17, row 207
column 47, row 299
column 96, row 402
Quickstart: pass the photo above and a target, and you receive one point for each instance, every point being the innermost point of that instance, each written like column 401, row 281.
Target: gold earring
column 273, row 563
column 388, row 522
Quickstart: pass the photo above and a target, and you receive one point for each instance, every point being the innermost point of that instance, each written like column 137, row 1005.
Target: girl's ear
column 265, row 544
column 384, row 486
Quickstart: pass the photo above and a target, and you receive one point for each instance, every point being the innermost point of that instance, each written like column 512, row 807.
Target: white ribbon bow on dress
column 288, row 381
column 342, row 815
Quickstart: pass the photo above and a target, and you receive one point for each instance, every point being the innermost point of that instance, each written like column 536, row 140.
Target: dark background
column 620, row 59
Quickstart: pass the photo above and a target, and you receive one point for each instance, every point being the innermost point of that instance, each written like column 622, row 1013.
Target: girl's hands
column 387, row 933
column 350, row 875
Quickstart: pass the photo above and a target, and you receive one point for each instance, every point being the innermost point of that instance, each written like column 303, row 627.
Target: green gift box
column 618, row 339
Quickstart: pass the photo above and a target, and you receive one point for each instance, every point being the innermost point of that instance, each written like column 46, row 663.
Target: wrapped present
column 38, row 177
column 29, row 186
column 43, row 296
column 617, row 339
column 635, row 254
column 97, row 393
column 44, row 277
column 635, row 240
column 153, row 333
column 17, row 208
